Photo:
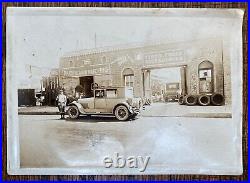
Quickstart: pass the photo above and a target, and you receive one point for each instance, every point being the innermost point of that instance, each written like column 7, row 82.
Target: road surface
column 47, row 141
column 155, row 109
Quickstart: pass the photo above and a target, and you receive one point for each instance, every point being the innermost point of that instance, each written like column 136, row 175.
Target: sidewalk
column 175, row 110
column 38, row 110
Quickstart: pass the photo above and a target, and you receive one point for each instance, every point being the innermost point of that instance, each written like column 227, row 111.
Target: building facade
column 50, row 87
column 204, row 67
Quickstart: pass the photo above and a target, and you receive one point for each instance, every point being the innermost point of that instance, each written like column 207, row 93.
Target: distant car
column 156, row 98
column 106, row 101
column 171, row 92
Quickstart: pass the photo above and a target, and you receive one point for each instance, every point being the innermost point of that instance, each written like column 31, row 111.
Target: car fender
column 126, row 104
column 79, row 106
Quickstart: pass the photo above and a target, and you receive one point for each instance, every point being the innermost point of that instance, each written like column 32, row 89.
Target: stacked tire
column 181, row 100
column 191, row 100
column 204, row 100
column 216, row 99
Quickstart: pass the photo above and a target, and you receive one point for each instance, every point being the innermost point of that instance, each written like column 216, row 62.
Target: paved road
column 173, row 109
column 155, row 109
column 47, row 141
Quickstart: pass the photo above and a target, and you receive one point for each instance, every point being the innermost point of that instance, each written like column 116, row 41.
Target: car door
column 112, row 99
column 100, row 103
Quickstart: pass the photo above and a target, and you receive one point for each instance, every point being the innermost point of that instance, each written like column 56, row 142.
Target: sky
column 40, row 37
column 167, row 75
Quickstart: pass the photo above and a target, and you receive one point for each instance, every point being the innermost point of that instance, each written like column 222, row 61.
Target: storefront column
column 146, row 84
column 183, row 80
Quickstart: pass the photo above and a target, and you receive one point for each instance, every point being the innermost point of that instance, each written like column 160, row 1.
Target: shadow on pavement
column 96, row 119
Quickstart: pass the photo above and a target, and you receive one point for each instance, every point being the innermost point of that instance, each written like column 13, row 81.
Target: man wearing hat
column 61, row 102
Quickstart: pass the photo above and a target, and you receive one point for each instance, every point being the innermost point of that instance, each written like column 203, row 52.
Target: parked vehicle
column 171, row 92
column 111, row 100
column 156, row 98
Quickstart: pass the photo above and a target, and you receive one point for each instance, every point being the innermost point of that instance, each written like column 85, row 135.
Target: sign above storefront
column 163, row 57
column 105, row 69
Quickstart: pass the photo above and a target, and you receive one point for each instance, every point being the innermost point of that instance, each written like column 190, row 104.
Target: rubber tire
column 119, row 107
column 215, row 102
column 200, row 100
column 195, row 100
column 181, row 100
column 73, row 116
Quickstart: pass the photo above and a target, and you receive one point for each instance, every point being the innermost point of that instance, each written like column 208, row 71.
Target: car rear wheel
column 121, row 113
column 73, row 112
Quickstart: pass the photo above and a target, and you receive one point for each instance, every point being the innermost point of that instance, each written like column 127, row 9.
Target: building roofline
column 129, row 46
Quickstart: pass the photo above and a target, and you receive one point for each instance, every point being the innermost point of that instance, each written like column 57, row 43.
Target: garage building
column 204, row 67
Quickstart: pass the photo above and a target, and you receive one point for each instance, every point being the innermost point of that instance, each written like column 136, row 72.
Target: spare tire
column 217, row 99
column 204, row 100
column 181, row 100
column 191, row 100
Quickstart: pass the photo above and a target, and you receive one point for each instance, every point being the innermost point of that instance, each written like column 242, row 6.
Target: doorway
column 86, row 82
column 164, row 84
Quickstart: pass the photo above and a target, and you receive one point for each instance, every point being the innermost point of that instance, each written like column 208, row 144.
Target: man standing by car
column 61, row 102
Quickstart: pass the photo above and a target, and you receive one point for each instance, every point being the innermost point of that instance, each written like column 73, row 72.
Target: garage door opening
column 86, row 82
column 164, row 84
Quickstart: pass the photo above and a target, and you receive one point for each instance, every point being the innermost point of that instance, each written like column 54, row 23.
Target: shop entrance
column 164, row 84
column 86, row 82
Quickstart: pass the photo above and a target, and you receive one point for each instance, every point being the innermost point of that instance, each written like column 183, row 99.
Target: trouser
column 61, row 107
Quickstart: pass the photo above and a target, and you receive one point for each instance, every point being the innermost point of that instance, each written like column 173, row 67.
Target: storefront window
column 206, row 77
column 129, row 80
column 71, row 64
column 104, row 60
column 128, row 75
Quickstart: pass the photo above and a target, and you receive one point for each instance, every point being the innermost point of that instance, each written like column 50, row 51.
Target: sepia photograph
column 102, row 91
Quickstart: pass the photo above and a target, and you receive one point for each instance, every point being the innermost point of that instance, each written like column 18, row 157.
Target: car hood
column 85, row 100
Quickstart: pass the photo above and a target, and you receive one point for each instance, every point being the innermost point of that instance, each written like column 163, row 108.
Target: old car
column 107, row 101
column 171, row 92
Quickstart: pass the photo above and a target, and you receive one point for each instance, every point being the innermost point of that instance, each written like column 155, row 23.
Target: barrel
column 204, row 100
column 217, row 99
column 191, row 100
column 181, row 100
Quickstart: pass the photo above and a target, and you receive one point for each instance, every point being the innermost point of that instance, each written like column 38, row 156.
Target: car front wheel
column 121, row 113
column 73, row 112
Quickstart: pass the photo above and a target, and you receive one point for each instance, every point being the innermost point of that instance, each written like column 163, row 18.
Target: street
column 173, row 109
column 155, row 109
column 47, row 141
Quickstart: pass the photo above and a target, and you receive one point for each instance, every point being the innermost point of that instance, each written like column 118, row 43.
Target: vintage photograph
column 124, row 91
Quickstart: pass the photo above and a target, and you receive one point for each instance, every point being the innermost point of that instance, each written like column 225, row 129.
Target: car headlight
column 129, row 101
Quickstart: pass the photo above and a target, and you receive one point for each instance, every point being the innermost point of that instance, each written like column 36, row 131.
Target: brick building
column 50, row 87
column 204, row 67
